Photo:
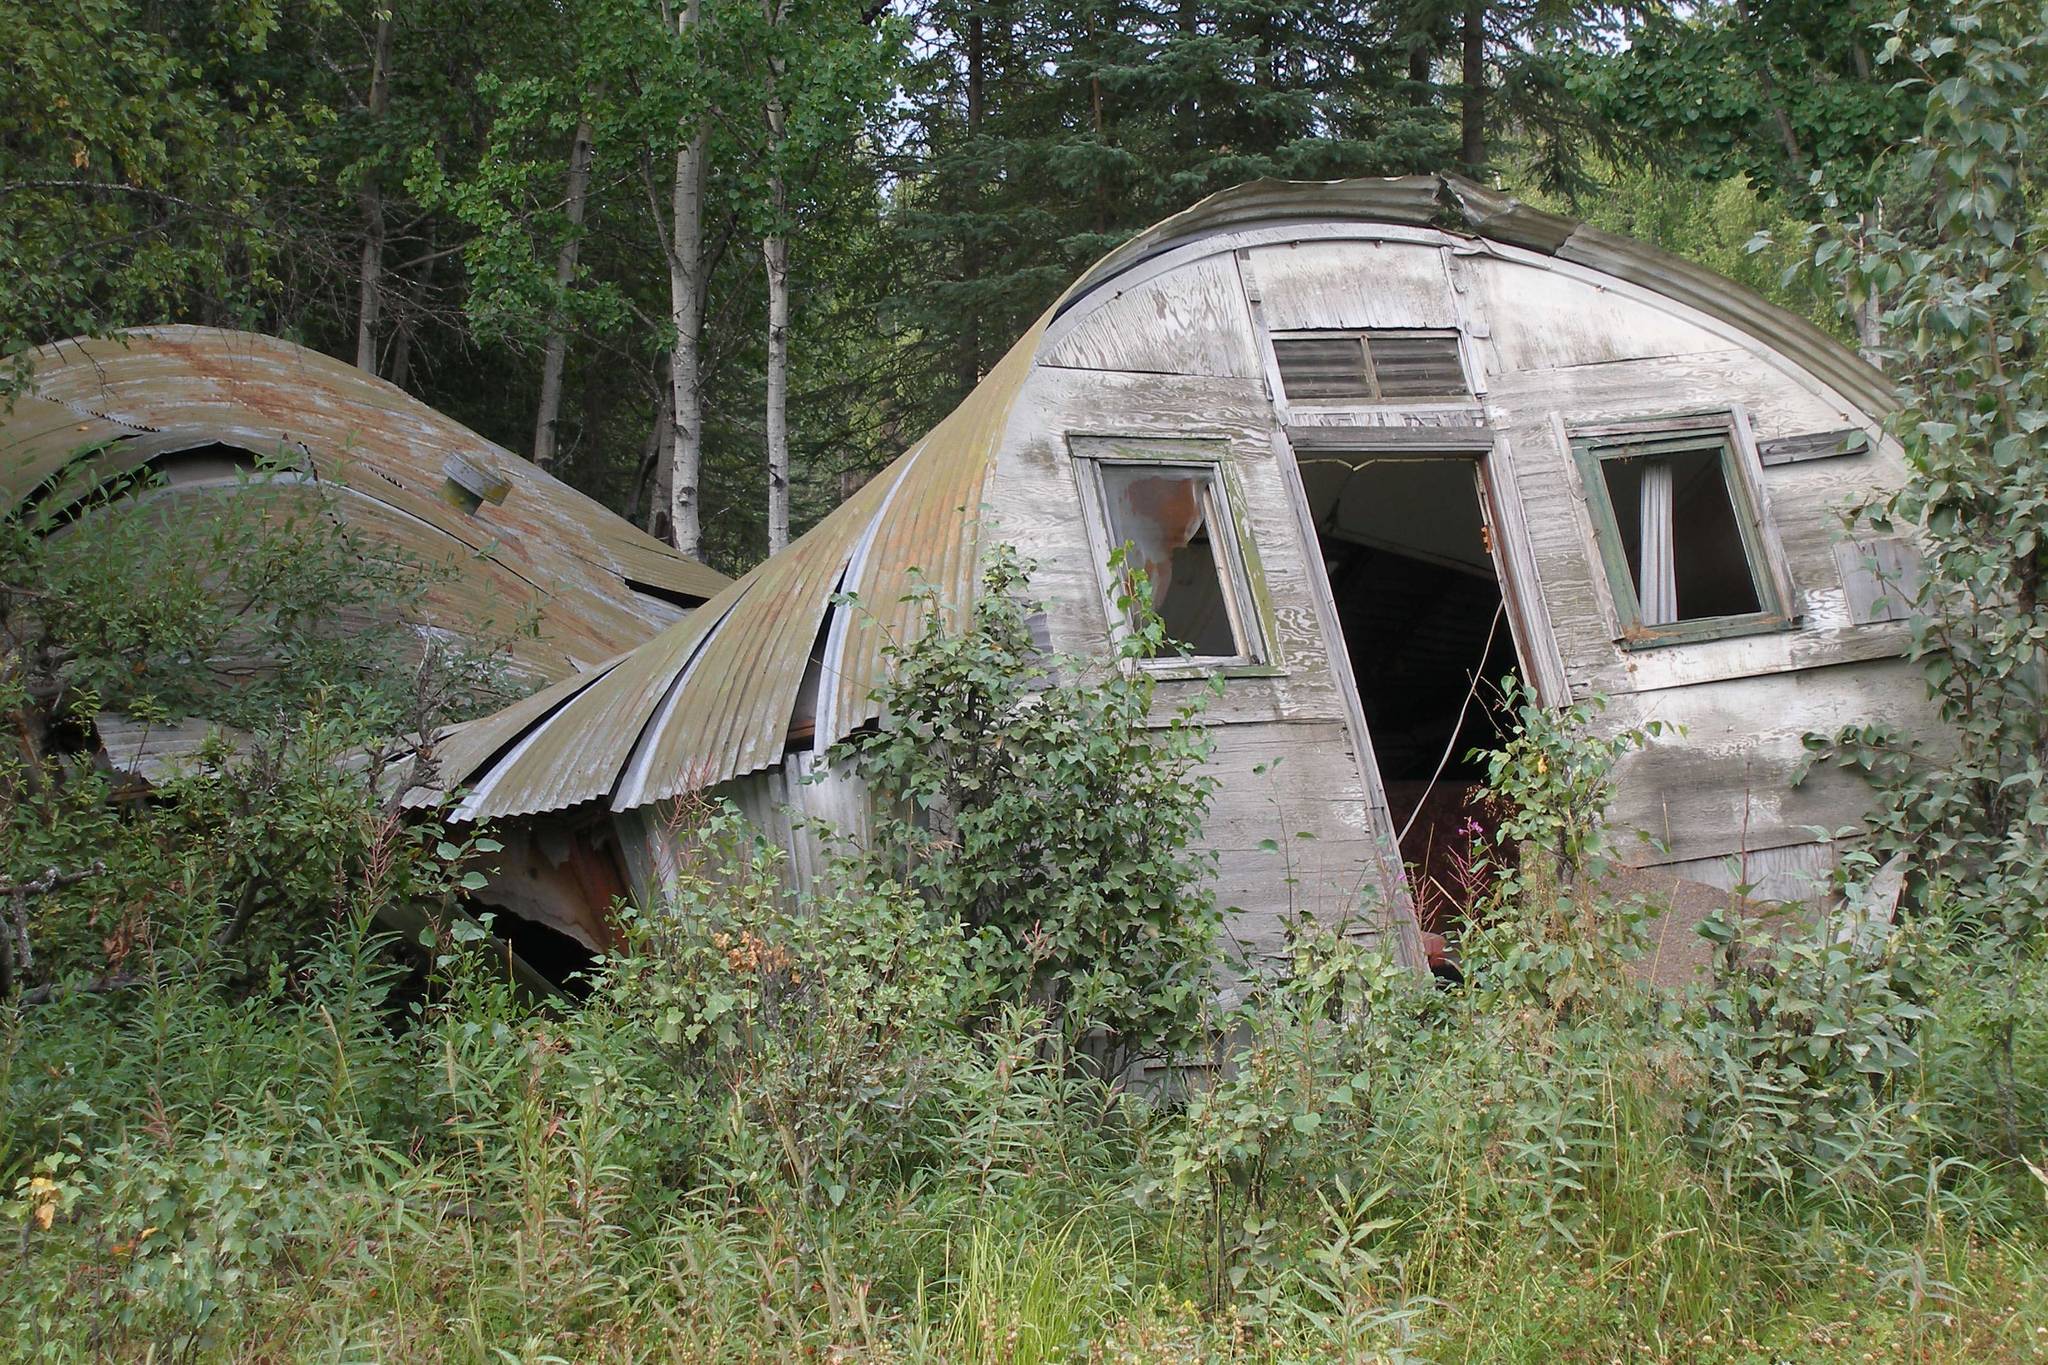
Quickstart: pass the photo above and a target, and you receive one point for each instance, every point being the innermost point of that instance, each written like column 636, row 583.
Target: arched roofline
column 1452, row 204
column 95, row 410
column 711, row 698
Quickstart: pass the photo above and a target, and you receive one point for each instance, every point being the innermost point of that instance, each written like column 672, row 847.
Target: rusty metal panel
column 732, row 712
column 461, row 750
column 576, row 752
column 527, row 544
column 931, row 534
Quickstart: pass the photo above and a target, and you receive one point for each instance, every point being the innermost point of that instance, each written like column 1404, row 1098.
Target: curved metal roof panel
column 516, row 541
column 713, row 697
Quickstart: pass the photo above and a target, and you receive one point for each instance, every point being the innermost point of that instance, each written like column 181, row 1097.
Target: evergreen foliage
column 267, row 1092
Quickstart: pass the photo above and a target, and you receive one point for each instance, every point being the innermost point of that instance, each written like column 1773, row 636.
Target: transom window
column 1678, row 528
column 1372, row 366
column 1171, row 515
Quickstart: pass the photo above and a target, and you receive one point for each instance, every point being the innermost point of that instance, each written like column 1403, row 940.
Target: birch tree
column 686, row 310
column 775, row 255
column 370, row 199
column 822, row 75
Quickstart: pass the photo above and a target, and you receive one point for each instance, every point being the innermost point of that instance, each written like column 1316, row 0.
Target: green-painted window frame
column 1592, row 452
column 1250, row 599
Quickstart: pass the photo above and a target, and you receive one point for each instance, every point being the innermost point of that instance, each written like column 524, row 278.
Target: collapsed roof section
column 202, row 407
column 720, row 694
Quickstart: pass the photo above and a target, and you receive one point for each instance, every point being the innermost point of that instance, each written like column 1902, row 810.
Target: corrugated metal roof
column 518, row 541
column 712, row 698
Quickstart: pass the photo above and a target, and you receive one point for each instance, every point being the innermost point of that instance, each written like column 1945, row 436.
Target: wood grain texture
column 1293, row 833
column 1308, row 286
column 1036, row 506
column 1882, row 577
column 1790, row 872
column 1730, row 774
column 1814, row 445
column 1189, row 321
column 1544, row 319
column 1461, row 438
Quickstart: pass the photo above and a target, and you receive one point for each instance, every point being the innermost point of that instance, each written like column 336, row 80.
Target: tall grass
column 327, row 1174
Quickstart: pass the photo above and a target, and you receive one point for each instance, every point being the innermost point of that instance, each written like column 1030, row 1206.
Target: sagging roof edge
column 731, row 713
column 141, row 394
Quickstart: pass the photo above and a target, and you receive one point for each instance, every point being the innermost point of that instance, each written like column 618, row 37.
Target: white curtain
column 1658, row 585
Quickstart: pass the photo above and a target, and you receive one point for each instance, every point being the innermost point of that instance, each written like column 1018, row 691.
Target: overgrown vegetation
column 266, row 1093
column 858, row 1121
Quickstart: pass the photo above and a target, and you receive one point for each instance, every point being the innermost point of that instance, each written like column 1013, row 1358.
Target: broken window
column 1374, row 366
column 1678, row 528
column 1171, row 517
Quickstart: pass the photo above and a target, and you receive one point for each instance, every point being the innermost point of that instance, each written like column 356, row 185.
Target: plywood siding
column 1552, row 349
column 1189, row 321
column 1542, row 320
column 1729, row 772
column 1293, row 834
column 1313, row 285
column 1293, row 827
column 1728, row 776
column 1035, row 505
column 1807, row 501
column 1795, row 872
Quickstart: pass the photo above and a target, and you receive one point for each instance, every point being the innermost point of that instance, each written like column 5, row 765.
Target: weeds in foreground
column 780, row 1129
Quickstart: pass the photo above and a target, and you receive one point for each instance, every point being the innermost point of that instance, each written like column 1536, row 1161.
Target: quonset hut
column 520, row 558
column 200, row 408
column 1372, row 438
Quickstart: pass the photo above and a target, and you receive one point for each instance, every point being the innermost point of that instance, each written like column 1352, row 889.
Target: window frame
column 1363, row 336
column 1722, row 434
column 1246, row 599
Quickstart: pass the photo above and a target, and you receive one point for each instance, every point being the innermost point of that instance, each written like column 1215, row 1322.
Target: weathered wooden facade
column 1370, row 438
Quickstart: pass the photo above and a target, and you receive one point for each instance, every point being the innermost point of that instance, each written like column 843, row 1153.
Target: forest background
column 768, row 243
column 266, row 1091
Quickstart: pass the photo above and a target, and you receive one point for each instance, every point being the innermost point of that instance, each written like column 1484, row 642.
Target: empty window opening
column 1679, row 533
column 1172, row 519
column 1678, row 529
column 1375, row 366
column 1429, row 641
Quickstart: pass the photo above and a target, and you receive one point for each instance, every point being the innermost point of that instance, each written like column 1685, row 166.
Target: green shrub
column 1037, row 800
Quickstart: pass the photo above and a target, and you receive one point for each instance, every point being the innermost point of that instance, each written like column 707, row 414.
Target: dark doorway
column 1416, row 592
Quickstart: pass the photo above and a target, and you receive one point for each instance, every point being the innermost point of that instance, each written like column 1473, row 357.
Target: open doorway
column 1418, row 597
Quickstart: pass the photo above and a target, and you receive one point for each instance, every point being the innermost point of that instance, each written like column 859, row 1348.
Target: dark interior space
column 549, row 951
column 1707, row 556
column 1422, row 616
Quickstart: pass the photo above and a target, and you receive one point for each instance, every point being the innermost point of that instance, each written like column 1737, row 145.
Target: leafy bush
column 1956, row 268
column 1803, row 1043
column 812, row 1028
column 1038, row 800
column 119, row 600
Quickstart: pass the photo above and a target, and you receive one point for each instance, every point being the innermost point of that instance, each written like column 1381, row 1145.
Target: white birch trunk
column 370, row 199
column 686, row 310
column 555, row 355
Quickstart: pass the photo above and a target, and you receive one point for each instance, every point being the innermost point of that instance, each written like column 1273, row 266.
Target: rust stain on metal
column 193, row 402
